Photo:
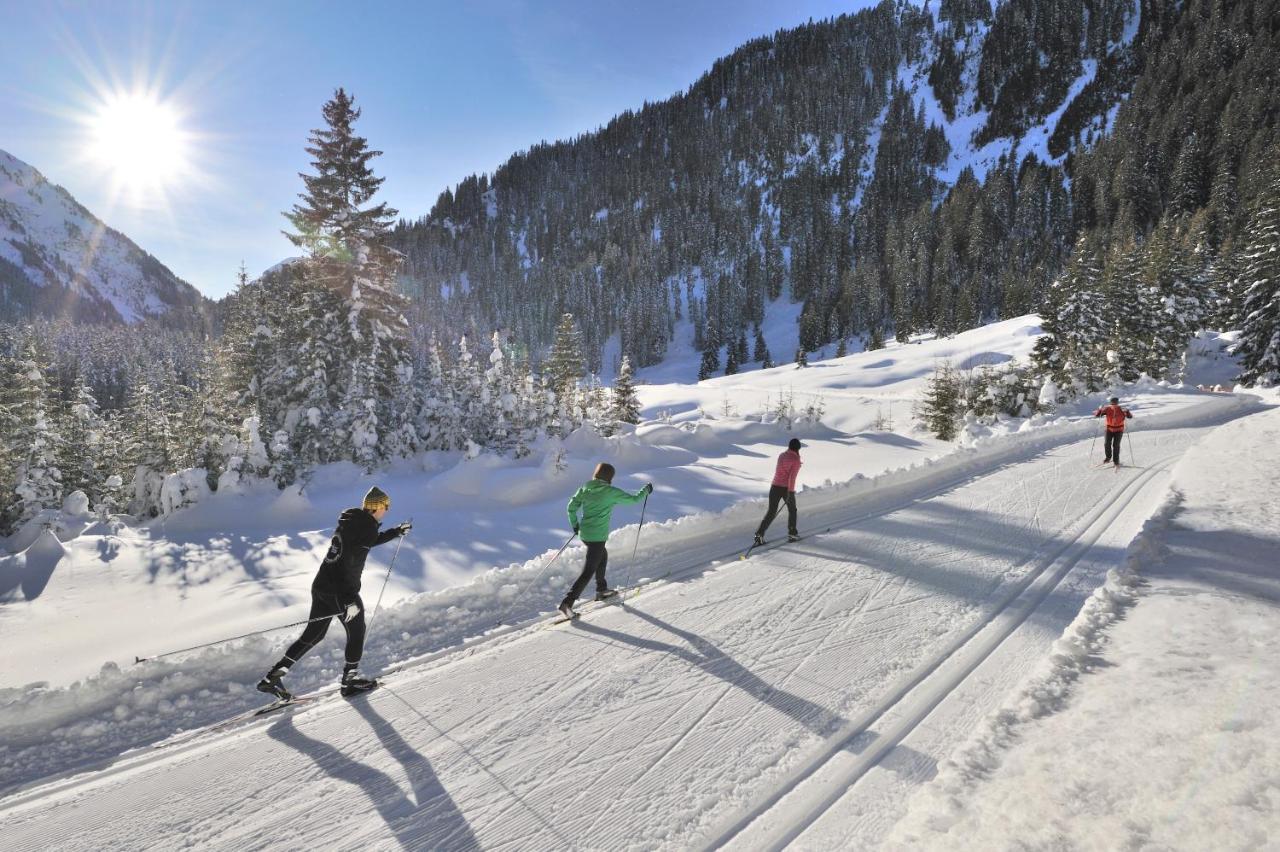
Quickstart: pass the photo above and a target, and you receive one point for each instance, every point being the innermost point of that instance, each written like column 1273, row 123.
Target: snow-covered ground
column 1158, row 731
column 802, row 696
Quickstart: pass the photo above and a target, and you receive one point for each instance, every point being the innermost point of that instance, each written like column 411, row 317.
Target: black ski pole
column 234, row 638
column 643, row 506
column 507, row 611
column 1129, row 440
column 369, row 623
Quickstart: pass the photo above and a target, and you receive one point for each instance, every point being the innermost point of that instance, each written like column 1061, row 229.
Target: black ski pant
column 322, row 605
column 597, row 559
column 1112, row 445
column 777, row 494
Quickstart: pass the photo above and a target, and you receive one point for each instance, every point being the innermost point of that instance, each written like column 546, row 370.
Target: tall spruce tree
column 361, row 344
column 566, row 366
column 1259, row 349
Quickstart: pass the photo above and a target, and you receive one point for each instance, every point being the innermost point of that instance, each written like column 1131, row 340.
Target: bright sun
column 140, row 141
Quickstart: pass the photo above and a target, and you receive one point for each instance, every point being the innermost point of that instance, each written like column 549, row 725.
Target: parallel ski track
column 209, row 735
column 966, row 652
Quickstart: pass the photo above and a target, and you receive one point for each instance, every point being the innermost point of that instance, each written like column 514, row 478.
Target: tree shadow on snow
column 430, row 820
column 1233, row 561
column 717, row 663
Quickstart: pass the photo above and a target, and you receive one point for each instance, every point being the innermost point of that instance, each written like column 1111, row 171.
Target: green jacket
column 596, row 499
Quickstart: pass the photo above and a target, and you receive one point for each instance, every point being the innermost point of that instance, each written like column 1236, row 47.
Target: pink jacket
column 788, row 469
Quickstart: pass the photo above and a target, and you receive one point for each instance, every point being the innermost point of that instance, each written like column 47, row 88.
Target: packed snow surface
column 798, row 697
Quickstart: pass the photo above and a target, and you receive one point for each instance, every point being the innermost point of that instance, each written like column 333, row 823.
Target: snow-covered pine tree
column 1259, row 349
column 329, row 222
column 81, row 427
column 939, row 410
column 504, row 400
column 346, row 242
column 626, row 405
column 1081, row 319
column 1125, row 314
column 38, row 483
column 145, row 448
column 12, row 439
column 566, row 367
column 471, row 397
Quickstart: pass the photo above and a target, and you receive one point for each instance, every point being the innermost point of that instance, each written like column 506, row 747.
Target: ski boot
column 354, row 684
column 566, row 609
column 793, row 536
column 606, row 594
column 273, row 684
column 758, row 541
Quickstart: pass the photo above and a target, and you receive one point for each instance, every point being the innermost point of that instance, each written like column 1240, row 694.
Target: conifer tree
column 346, row 239
column 1259, row 349
column 38, row 481
column 940, row 408
column 761, row 352
column 81, row 429
column 566, row 366
column 12, row 439
column 330, row 221
column 730, row 359
column 625, row 407
column 710, row 362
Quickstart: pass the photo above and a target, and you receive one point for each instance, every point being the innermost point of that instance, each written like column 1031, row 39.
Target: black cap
column 794, row 444
column 1115, row 400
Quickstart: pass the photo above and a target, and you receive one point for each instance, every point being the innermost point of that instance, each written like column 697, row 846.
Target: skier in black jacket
column 336, row 592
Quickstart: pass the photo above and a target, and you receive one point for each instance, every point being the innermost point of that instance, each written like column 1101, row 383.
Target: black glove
column 648, row 488
column 404, row 528
column 575, row 529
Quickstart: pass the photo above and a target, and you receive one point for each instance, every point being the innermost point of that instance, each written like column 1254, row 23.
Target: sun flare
column 139, row 140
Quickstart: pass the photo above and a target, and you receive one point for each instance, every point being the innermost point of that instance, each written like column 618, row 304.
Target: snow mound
column 24, row 576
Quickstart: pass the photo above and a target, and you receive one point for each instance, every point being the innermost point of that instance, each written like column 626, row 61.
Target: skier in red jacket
column 783, row 488
column 1115, row 428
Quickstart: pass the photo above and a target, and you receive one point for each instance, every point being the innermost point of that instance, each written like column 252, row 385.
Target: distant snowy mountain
column 58, row 259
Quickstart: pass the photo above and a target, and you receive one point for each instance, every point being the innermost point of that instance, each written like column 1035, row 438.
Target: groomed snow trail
column 793, row 699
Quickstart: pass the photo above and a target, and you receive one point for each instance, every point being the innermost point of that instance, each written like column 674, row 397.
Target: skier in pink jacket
column 783, row 488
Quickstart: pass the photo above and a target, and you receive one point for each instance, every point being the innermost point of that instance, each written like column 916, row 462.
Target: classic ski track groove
column 884, row 742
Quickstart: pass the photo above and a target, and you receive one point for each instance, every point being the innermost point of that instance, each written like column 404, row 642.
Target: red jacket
column 1115, row 416
column 788, row 468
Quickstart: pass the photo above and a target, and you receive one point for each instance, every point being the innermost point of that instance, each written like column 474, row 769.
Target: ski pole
column 1129, row 440
column 643, row 506
column 507, row 611
column 369, row 623
column 234, row 638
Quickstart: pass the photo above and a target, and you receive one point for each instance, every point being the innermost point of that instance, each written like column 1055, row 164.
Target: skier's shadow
column 432, row 822
column 713, row 661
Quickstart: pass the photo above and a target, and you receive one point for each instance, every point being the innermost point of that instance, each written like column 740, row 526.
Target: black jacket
column 339, row 573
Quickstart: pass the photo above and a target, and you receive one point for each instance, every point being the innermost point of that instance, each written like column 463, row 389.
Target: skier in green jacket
column 596, row 500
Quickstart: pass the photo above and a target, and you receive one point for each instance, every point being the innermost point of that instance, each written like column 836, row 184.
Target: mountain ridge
column 57, row 259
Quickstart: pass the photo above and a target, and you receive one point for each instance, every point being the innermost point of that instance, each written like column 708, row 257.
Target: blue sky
column 447, row 89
